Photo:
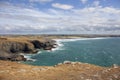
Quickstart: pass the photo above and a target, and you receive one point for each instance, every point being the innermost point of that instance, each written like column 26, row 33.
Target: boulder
column 11, row 57
column 67, row 62
column 18, row 58
column 48, row 48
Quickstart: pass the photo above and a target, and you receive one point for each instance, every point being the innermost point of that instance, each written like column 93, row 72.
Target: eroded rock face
column 16, row 47
column 10, row 49
column 37, row 44
column 47, row 45
column 11, row 57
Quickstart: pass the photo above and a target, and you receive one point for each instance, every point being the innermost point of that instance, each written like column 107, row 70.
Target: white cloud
column 83, row 1
column 41, row 1
column 111, row 10
column 62, row 6
column 96, row 3
column 14, row 19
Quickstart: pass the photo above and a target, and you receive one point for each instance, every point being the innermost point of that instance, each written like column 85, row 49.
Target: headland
column 11, row 47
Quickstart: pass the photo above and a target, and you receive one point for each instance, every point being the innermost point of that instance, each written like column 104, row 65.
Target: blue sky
column 60, row 16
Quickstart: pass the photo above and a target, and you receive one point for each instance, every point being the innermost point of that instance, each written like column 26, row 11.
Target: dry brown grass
column 76, row 71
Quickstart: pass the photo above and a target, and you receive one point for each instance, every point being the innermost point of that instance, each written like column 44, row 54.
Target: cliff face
column 16, row 47
column 47, row 45
column 10, row 48
column 11, row 57
column 63, row 71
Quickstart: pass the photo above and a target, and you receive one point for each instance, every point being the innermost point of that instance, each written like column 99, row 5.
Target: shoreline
column 60, row 45
column 65, row 71
column 52, row 42
column 12, row 47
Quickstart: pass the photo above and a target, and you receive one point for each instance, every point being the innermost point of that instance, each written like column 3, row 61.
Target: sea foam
column 60, row 44
column 76, row 39
column 29, row 56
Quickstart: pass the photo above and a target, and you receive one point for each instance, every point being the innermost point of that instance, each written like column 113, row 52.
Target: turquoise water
column 98, row 51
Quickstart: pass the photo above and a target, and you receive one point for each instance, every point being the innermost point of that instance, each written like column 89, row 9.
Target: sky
column 59, row 16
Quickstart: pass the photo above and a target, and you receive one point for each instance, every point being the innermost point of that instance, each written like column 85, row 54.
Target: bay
column 97, row 51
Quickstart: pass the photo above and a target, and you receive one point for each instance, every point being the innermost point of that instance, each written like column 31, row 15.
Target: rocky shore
column 63, row 71
column 12, row 47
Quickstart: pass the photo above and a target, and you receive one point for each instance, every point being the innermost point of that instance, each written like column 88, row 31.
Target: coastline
column 12, row 47
column 64, row 71
column 63, row 52
column 32, row 44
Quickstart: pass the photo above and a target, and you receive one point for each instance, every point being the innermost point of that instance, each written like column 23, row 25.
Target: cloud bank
column 41, row 1
column 62, row 6
column 83, row 1
column 95, row 19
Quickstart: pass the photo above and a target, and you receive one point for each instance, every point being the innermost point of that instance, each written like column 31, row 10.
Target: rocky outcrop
column 11, row 57
column 47, row 45
column 10, row 49
column 16, row 47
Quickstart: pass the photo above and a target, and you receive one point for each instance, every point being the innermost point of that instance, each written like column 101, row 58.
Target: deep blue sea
column 98, row 51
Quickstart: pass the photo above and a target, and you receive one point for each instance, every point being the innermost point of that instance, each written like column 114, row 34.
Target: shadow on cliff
column 11, row 49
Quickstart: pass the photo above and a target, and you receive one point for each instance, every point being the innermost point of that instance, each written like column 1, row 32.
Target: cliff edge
column 10, row 48
column 63, row 71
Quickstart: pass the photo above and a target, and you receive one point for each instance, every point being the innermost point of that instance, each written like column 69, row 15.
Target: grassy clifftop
column 15, row 45
column 66, row 71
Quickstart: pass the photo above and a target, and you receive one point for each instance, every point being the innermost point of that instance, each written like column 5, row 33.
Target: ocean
column 97, row 51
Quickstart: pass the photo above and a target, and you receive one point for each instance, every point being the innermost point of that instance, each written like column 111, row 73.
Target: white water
column 99, row 51
column 77, row 39
column 28, row 56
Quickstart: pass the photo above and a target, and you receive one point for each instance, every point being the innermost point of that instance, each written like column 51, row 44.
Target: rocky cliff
column 16, row 47
column 10, row 49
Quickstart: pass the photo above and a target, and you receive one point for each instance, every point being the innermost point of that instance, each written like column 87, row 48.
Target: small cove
column 98, row 51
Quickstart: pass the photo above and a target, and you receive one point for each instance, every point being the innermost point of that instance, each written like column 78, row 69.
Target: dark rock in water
column 18, row 58
column 11, row 57
column 37, row 44
column 48, row 48
column 47, row 45
column 55, row 45
column 36, row 50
